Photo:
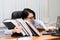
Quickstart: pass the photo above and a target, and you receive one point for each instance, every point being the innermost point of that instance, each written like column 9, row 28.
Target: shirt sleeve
column 7, row 31
column 39, row 23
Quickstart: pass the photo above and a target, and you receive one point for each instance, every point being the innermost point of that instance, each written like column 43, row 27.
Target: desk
column 42, row 37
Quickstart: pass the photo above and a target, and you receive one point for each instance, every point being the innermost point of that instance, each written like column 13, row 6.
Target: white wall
column 6, row 8
column 54, row 10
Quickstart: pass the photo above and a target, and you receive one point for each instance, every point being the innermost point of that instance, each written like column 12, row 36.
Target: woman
column 29, row 15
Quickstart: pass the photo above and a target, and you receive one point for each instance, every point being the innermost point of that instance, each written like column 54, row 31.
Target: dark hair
column 25, row 13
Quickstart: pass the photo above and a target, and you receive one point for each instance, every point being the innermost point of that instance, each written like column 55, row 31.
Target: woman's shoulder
column 38, row 21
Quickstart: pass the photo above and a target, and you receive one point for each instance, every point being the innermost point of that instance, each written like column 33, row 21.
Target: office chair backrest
column 16, row 14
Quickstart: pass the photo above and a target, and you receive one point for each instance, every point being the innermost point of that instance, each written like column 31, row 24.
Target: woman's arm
column 16, row 29
column 7, row 31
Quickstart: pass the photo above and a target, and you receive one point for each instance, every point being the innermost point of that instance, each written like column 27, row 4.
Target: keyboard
column 53, row 33
column 56, row 34
column 48, row 32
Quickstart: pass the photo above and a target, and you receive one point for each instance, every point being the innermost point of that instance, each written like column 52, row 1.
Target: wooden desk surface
column 42, row 37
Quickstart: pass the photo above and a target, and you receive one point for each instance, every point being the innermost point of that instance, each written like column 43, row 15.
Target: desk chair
column 16, row 14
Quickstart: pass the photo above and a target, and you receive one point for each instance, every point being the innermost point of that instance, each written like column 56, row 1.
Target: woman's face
column 30, row 17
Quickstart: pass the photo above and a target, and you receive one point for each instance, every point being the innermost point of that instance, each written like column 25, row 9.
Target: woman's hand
column 51, row 28
column 17, row 29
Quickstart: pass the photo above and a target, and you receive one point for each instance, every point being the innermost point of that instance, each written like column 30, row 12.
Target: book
column 27, row 28
column 10, row 24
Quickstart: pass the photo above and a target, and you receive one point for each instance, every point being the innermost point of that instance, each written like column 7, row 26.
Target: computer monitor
column 58, row 23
